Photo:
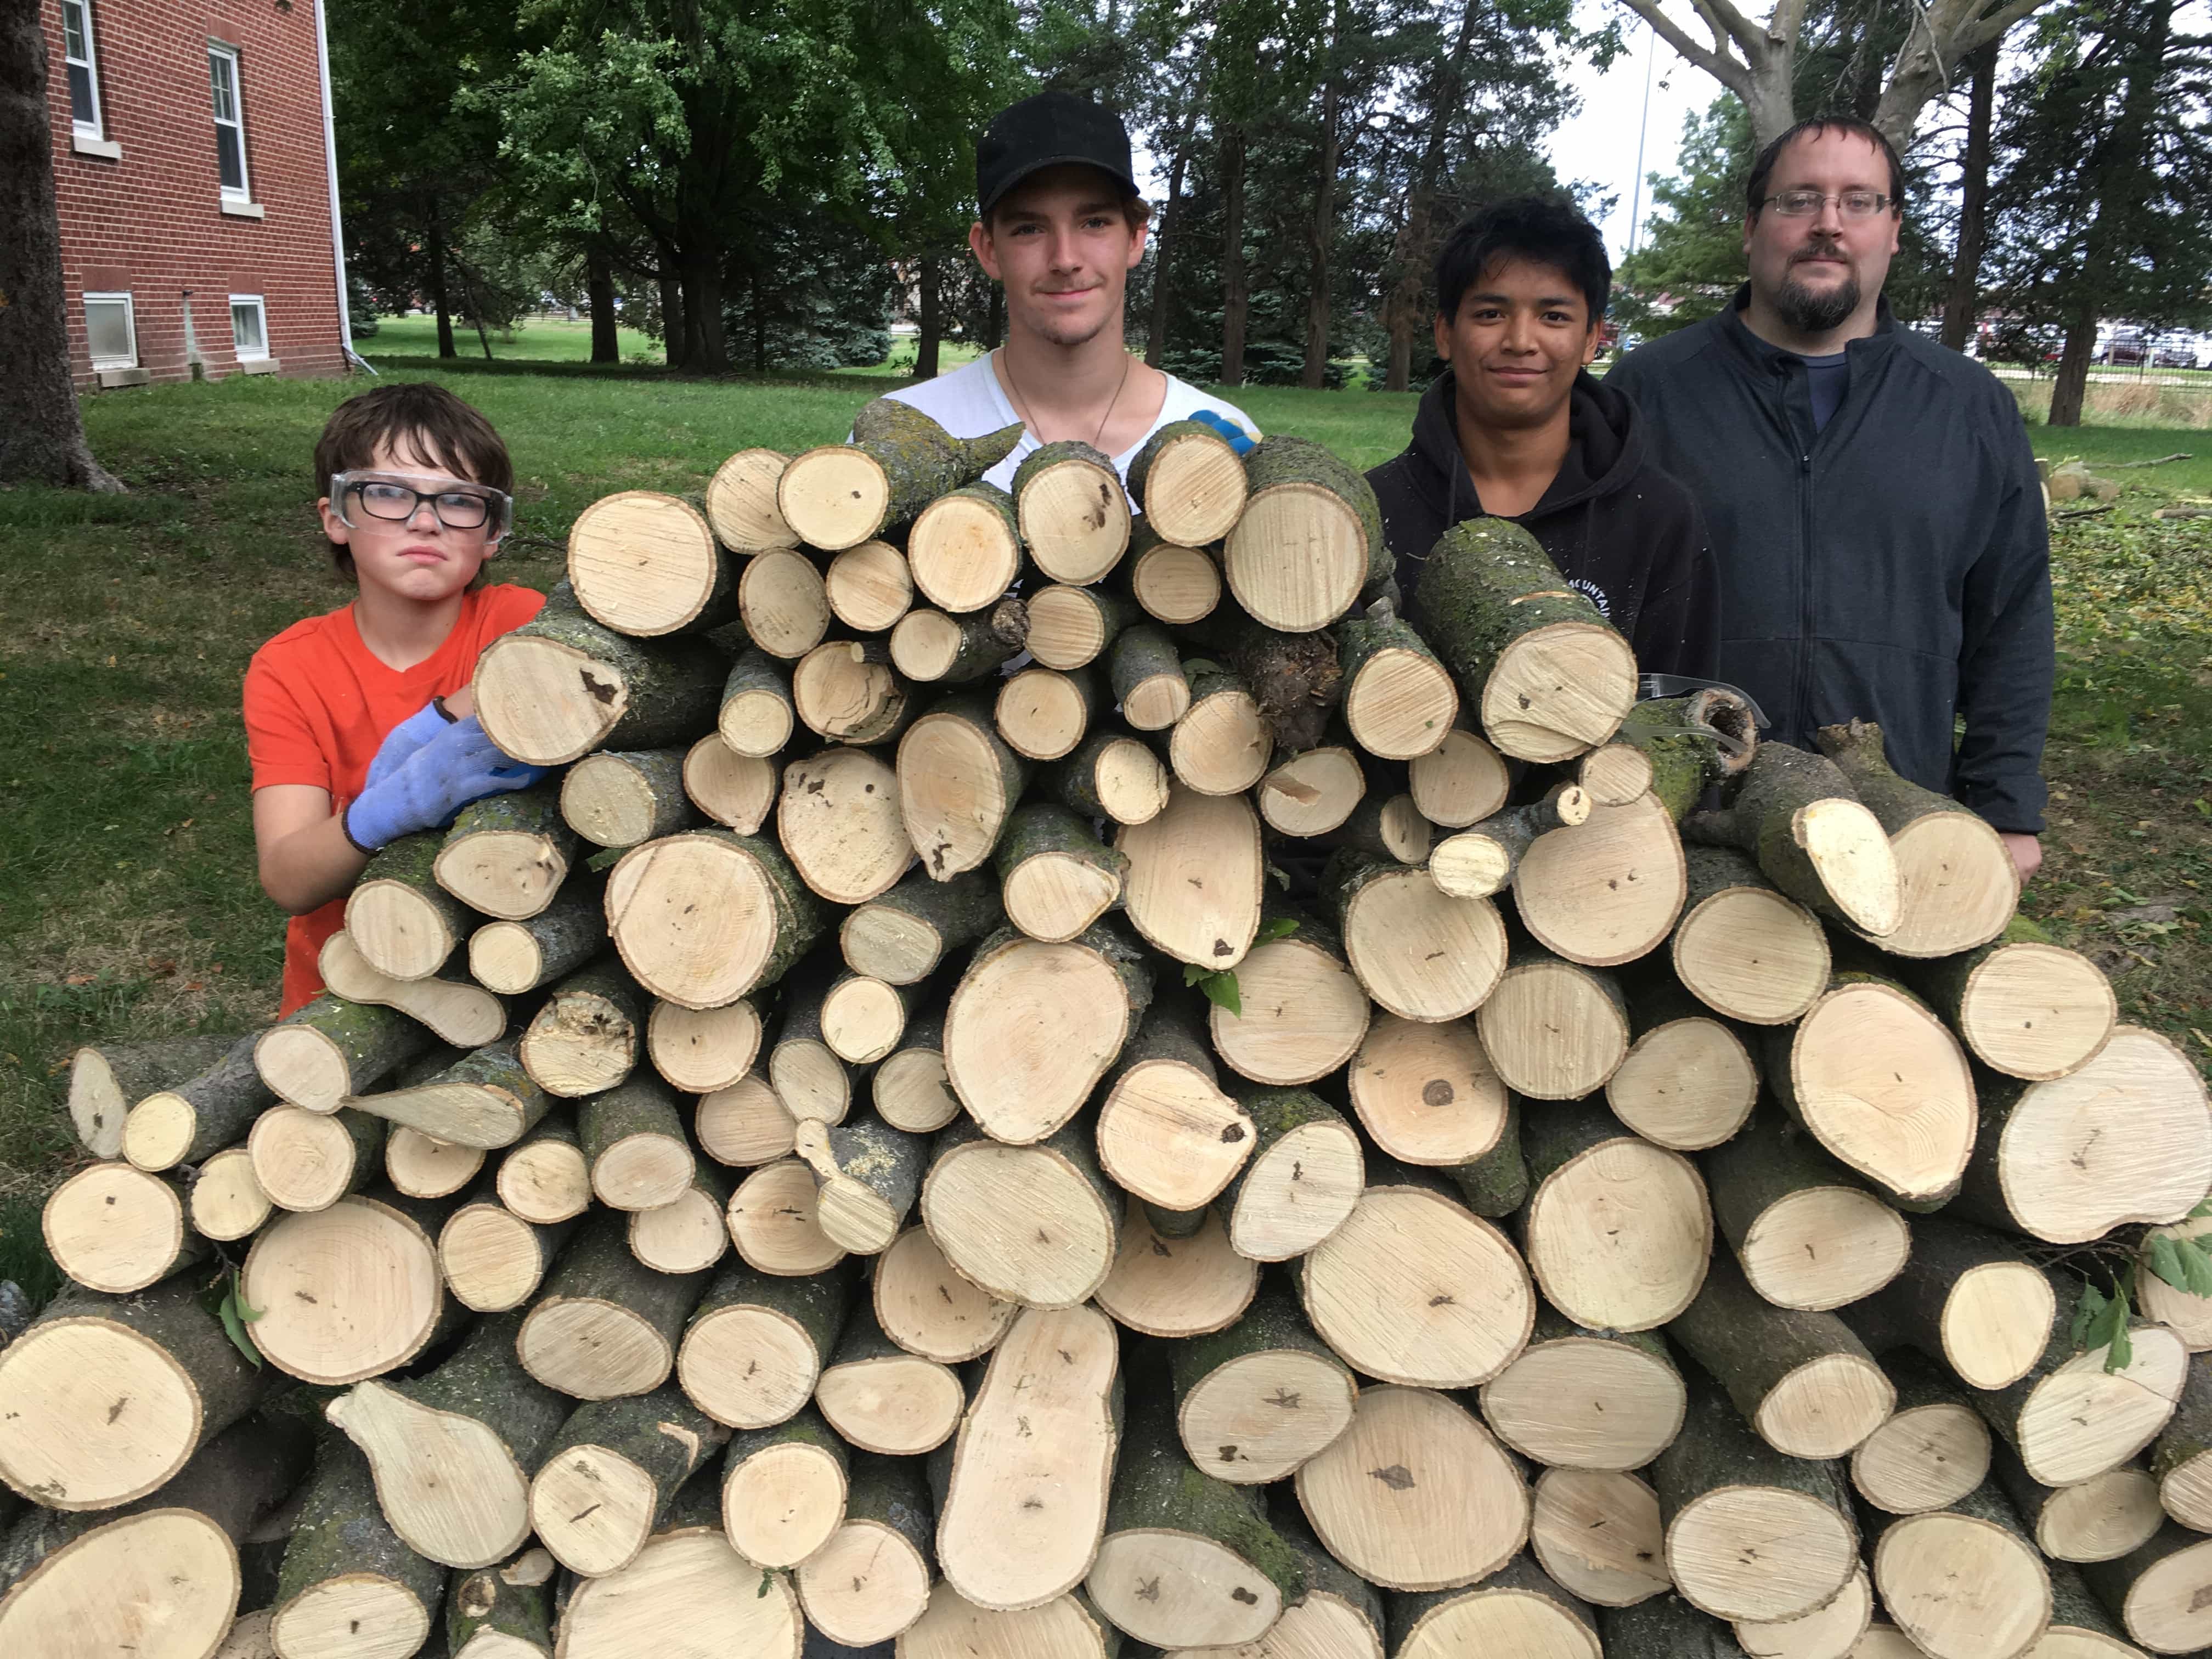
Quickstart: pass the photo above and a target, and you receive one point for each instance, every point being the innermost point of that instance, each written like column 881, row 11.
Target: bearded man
column 1875, row 516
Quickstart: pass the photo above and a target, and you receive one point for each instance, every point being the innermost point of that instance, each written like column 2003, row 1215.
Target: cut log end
column 1297, row 557
column 1401, row 704
column 869, row 587
column 1597, row 1534
column 1558, row 691
column 1177, row 585
column 964, row 552
column 1829, row 1633
column 1715, row 1558
column 1826, row 1406
column 1297, row 1192
column 1687, row 1084
column 1312, row 793
column 116, row 1228
column 310, row 1327
column 1257, row 1418
column 1885, row 1087
column 2036, row 1010
column 1165, row 1585
column 642, row 562
column 592, row 1507
column 747, row 1367
column 1752, row 955
column 929, row 1310
column 834, row 497
column 1825, row 1247
column 1579, row 1402
column 492, row 1258
column 784, row 1502
column 784, row 603
column 1960, row 1586
column 1061, row 1254
column 1421, row 953
column 1857, row 869
column 1426, row 1093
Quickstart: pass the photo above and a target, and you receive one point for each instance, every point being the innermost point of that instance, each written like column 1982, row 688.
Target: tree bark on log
column 1074, row 517
column 1546, row 675
column 756, row 717
column 609, row 1472
column 452, row 1451
column 502, row 1612
column 585, row 1037
column 1967, row 1298
column 562, row 686
column 1808, row 1232
column 757, row 1341
column 619, row 799
column 1190, row 484
column 1798, row 817
column 930, row 647
column 1692, row 743
column 899, row 460
column 904, row 935
column 783, row 1490
column 331, row 1048
column 511, row 958
column 870, row 1175
column 1721, row 1491
column 108, row 1080
column 1146, row 673
column 345, row 1568
column 507, row 855
column 1187, row 1557
column 485, row 1100
column 1804, row 1381
column 1743, row 949
column 1304, row 497
column 671, row 910
column 199, row 1116
column 66, row 1438
column 607, row 1325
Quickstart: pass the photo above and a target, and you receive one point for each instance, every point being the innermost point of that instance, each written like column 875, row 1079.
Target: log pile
column 1250, row 1131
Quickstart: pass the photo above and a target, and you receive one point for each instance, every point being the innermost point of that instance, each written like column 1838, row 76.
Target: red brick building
column 194, row 174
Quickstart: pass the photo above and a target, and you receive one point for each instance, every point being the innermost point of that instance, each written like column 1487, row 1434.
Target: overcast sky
column 1599, row 145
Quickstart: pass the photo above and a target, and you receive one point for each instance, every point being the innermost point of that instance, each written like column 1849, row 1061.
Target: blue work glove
column 404, row 738
column 1239, row 439
column 457, row 766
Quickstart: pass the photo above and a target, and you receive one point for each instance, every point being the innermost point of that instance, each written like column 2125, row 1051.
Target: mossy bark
column 1768, row 1160
column 987, row 639
column 106, row 1079
column 534, row 813
column 172, row 1317
column 1497, row 1183
column 490, row 1603
column 341, row 1533
column 1138, row 654
column 1484, row 585
column 644, row 1108
column 1856, row 749
column 808, row 1428
column 659, row 775
column 1718, row 1447
column 371, row 1041
column 958, row 910
column 1282, row 459
column 223, row 1101
column 1274, row 1112
column 568, row 933
column 1747, row 1344
column 1158, row 1487
column 1665, row 1627
column 1693, row 743
column 661, row 1434
column 1761, row 821
column 920, row 459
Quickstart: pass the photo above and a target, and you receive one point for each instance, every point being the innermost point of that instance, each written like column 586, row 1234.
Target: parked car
column 2129, row 348
column 2176, row 352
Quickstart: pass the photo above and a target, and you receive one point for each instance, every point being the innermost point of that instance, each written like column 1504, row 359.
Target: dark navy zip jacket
column 1619, row 529
column 1894, row 566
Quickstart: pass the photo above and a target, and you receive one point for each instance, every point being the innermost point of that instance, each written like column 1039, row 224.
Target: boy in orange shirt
column 359, row 722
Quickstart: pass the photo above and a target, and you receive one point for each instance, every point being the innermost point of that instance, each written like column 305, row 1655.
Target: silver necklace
column 1022, row 404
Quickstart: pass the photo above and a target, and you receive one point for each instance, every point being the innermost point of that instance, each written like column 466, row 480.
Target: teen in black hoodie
column 1521, row 288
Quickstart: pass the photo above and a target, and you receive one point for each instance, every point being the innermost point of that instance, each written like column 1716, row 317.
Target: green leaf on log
column 2196, row 1266
column 235, row 1315
column 1220, row 987
column 1281, row 928
column 2086, row 1312
column 2165, row 1262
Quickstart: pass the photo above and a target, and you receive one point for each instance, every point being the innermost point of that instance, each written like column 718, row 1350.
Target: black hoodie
column 1621, row 531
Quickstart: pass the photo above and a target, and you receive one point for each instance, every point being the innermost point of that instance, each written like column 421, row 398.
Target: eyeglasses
column 457, row 509
column 1804, row 204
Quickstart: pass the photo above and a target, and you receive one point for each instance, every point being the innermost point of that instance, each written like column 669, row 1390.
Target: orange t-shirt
column 318, row 704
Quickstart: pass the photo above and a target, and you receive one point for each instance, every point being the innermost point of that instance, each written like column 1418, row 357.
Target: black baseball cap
column 1052, row 128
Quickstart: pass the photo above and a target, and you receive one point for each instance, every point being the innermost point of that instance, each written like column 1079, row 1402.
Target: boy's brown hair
column 419, row 415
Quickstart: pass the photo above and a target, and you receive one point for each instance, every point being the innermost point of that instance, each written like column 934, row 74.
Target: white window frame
column 130, row 321
column 261, row 307
column 243, row 191
column 97, row 127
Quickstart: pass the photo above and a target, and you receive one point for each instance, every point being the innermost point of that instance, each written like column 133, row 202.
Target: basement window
column 249, row 327
column 230, row 121
column 110, row 330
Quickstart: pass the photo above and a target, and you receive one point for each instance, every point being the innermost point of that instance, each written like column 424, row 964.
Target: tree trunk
column 931, row 317
column 600, row 286
column 438, row 302
column 1155, row 326
column 1409, row 256
column 1236, row 285
column 1320, row 232
column 673, row 344
column 2070, row 384
column 705, row 345
column 41, row 435
column 1974, row 190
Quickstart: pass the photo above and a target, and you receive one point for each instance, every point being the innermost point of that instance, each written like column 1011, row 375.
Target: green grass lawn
column 128, row 902
column 536, row 339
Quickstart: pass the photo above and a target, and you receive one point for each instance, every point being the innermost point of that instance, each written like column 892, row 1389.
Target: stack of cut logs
column 1051, row 1082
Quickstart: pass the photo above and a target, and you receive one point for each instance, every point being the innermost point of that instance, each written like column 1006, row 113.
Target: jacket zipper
column 1805, row 593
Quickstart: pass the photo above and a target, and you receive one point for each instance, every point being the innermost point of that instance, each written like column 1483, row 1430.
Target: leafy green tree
column 2105, row 166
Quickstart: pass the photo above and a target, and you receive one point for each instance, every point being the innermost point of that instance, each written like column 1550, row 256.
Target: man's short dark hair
column 1754, row 187
column 1544, row 230
column 420, row 415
